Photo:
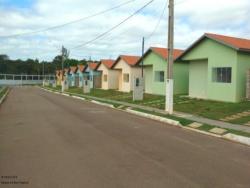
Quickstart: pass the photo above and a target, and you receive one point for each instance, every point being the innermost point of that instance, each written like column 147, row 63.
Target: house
column 81, row 75
column 66, row 74
column 155, row 75
column 72, row 72
column 218, row 66
column 58, row 77
column 94, row 76
column 109, row 75
column 127, row 69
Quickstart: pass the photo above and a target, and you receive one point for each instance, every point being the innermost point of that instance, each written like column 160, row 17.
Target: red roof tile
column 164, row 53
column 93, row 66
column 108, row 63
column 82, row 68
column 238, row 43
column 130, row 60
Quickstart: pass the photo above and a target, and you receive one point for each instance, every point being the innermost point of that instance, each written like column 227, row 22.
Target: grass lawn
column 210, row 109
column 2, row 91
column 149, row 100
column 204, row 108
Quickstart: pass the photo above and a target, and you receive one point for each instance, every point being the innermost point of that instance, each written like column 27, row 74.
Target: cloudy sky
column 192, row 19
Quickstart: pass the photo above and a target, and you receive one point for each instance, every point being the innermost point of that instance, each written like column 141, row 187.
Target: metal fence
column 21, row 79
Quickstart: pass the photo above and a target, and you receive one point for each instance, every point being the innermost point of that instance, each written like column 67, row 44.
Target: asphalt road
column 53, row 141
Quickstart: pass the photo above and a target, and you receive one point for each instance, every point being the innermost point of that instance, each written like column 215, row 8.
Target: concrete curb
column 228, row 136
column 202, row 132
column 154, row 117
column 237, row 138
column 4, row 96
column 103, row 104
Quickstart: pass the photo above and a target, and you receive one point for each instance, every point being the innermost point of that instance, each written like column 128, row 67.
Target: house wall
column 124, row 68
column 198, row 79
column 180, row 75
column 148, row 76
column 218, row 55
column 243, row 67
column 112, row 81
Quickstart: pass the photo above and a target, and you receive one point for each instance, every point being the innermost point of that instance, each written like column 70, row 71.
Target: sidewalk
column 177, row 114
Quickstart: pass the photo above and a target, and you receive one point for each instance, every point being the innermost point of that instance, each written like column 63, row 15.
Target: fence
column 20, row 79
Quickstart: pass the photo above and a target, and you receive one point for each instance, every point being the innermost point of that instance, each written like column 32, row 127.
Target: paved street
column 54, row 141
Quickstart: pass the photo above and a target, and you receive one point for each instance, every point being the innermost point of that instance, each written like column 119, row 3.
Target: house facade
column 218, row 67
column 81, row 75
column 109, row 75
column 128, row 71
column 72, row 78
column 94, row 76
column 155, row 72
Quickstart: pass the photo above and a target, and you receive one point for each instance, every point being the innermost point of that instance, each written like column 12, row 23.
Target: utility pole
column 142, row 54
column 65, row 55
column 170, row 81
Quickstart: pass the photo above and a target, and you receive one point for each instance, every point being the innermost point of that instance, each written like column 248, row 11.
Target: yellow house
column 128, row 71
column 109, row 75
column 59, row 74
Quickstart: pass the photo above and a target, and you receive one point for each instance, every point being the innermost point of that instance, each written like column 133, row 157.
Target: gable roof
column 238, row 44
column 129, row 59
column 109, row 63
column 73, row 69
column 82, row 68
column 163, row 52
column 93, row 66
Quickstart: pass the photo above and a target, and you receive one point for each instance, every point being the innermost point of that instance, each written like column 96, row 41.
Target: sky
column 193, row 18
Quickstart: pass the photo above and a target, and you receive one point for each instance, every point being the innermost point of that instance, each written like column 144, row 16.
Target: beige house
column 128, row 71
column 109, row 75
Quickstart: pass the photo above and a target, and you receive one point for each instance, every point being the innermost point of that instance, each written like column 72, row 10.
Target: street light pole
column 170, row 60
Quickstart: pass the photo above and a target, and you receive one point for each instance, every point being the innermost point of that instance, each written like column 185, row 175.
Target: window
column 105, row 77
column 222, row 74
column 159, row 76
column 125, row 77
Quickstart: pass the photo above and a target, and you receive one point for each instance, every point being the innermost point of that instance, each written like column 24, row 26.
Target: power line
column 68, row 23
column 158, row 23
column 114, row 27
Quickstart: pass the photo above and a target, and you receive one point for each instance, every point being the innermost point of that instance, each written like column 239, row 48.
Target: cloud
column 193, row 18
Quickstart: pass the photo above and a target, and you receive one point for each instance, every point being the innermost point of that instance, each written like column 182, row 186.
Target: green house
column 218, row 67
column 155, row 75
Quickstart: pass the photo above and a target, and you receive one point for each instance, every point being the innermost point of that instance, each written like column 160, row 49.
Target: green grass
column 204, row 108
column 109, row 94
column 3, row 91
column 186, row 122
column 209, row 109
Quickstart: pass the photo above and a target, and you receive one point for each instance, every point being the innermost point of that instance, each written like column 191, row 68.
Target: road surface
column 54, row 141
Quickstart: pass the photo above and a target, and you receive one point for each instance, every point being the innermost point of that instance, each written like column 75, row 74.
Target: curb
column 154, row 117
column 237, row 138
column 103, row 104
column 202, row 132
column 228, row 136
column 4, row 96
